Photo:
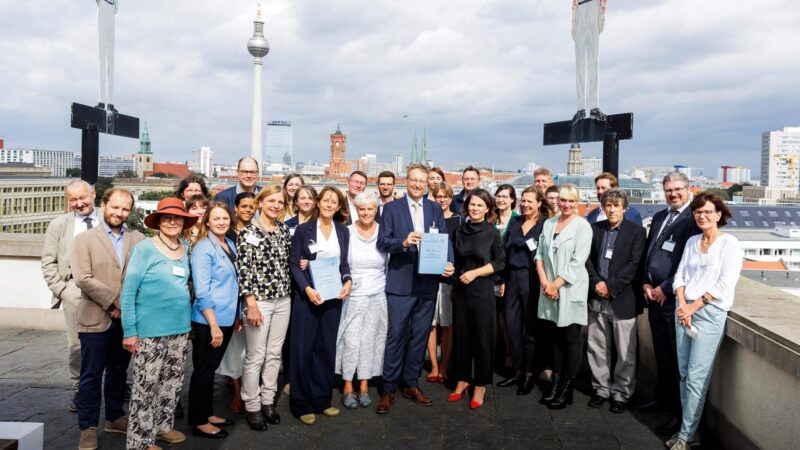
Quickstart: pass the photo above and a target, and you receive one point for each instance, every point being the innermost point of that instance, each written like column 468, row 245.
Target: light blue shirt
column 116, row 241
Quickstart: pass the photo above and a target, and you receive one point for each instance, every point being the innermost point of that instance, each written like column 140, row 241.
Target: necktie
column 417, row 218
column 673, row 214
column 88, row 222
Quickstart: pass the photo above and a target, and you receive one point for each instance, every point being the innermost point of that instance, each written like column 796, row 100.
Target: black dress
column 522, row 290
column 474, row 320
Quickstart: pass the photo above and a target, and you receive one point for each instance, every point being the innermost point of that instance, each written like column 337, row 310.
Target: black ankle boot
column 556, row 380
column 564, row 395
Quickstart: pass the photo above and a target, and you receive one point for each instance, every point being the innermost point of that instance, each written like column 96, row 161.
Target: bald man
column 56, row 268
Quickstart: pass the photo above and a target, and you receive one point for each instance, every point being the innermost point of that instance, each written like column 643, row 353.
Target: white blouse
column 328, row 248
column 367, row 263
column 716, row 272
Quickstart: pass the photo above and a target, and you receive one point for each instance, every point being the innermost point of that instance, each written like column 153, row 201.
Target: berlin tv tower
column 258, row 46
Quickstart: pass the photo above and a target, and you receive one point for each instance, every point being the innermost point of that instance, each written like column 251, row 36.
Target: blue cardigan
column 216, row 284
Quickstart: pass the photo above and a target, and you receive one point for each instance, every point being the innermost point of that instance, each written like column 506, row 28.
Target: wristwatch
column 705, row 300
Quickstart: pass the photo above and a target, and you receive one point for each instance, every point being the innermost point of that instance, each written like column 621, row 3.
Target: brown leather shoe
column 88, row 439
column 417, row 395
column 385, row 405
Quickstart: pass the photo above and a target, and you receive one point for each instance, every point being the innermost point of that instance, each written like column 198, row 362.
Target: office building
column 398, row 164
column 591, row 167
column 206, row 162
column 279, row 143
column 574, row 163
column 691, row 172
column 109, row 166
column 57, row 160
column 27, row 205
column 780, row 158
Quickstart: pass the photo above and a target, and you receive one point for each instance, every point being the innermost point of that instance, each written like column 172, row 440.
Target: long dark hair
column 546, row 210
column 483, row 194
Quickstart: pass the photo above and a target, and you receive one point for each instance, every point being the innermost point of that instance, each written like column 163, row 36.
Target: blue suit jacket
column 216, row 284
column 396, row 223
column 304, row 234
column 228, row 196
column 658, row 265
column 631, row 215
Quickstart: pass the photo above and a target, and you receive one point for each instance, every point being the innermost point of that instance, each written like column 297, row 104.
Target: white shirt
column 716, row 272
column 367, row 263
column 328, row 248
column 80, row 225
column 351, row 207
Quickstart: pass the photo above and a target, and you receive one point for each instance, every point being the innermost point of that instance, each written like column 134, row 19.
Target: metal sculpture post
column 104, row 117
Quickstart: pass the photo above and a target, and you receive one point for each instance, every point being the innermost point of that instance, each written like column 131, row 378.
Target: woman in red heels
column 479, row 256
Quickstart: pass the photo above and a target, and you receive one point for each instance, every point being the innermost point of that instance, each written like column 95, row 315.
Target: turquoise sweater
column 155, row 294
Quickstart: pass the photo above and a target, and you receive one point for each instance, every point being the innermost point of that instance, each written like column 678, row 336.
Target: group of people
column 236, row 276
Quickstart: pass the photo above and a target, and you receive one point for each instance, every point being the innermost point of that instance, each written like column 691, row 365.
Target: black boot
column 564, row 395
column 271, row 414
column 525, row 387
column 556, row 383
column 580, row 115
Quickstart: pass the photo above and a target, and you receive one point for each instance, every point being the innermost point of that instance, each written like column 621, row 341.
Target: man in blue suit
column 248, row 173
column 411, row 297
column 470, row 180
column 602, row 183
column 669, row 231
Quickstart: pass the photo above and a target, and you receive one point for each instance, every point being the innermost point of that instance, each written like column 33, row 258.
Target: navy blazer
column 457, row 205
column 304, row 234
column 228, row 196
column 396, row 224
column 622, row 269
column 658, row 265
column 631, row 215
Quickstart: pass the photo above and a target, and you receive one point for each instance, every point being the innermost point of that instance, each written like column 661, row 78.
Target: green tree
column 156, row 195
column 75, row 172
column 136, row 220
column 103, row 184
column 127, row 173
column 736, row 189
column 721, row 192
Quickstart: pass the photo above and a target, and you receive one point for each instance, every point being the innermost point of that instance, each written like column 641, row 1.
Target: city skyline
column 481, row 76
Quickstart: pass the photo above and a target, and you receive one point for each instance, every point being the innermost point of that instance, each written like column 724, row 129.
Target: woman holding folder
column 316, row 317
column 264, row 283
column 479, row 254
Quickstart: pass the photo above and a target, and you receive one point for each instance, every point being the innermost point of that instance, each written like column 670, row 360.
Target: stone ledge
column 766, row 321
column 32, row 318
column 22, row 245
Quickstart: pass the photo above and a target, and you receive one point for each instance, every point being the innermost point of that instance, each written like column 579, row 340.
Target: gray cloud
column 703, row 78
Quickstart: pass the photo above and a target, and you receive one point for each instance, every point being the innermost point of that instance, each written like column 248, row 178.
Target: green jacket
column 566, row 257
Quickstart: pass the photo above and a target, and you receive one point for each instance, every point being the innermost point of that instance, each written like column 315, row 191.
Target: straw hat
column 172, row 206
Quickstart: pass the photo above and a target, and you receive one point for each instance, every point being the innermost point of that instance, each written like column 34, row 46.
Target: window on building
column 765, row 223
column 733, row 223
column 772, row 213
column 748, row 223
column 744, row 213
column 787, row 213
column 760, row 213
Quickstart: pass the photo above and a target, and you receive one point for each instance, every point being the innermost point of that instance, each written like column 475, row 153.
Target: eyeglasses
column 676, row 190
column 249, row 172
column 416, row 181
column 442, row 197
column 704, row 212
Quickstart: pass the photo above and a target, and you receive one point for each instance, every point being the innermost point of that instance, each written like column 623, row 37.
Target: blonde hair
column 569, row 192
column 265, row 192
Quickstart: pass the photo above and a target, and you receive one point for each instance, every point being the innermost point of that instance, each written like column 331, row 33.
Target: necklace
column 166, row 244
column 707, row 243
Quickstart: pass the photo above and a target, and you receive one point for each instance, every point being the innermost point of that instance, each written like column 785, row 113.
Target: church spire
column 144, row 142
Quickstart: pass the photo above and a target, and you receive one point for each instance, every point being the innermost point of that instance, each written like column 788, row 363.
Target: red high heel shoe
column 475, row 405
column 454, row 397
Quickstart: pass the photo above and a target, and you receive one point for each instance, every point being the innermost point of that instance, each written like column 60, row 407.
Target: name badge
column 252, row 240
column 609, row 252
column 178, row 271
column 668, row 246
column 531, row 243
column 314, row 248
column 291, row 231
column 433, row 228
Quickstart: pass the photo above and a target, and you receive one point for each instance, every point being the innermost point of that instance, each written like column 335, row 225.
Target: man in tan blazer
column 99, row 258
column 56, row 268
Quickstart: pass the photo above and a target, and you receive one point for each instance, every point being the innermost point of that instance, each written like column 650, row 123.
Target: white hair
column 366, row 198
column 74, row 184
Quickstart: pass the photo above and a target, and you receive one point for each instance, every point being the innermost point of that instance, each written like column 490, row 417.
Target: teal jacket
column 566, row 257
column 155, row 293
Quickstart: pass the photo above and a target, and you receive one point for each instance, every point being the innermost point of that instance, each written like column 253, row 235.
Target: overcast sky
column 703, row 78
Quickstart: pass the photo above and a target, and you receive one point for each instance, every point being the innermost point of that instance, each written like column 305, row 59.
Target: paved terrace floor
column 33, row 389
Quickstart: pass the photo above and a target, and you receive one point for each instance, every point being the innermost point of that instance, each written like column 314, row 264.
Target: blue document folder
column 326, row 277
column 433, row 253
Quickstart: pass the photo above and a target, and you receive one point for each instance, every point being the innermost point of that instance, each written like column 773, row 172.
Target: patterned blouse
column 263, row 263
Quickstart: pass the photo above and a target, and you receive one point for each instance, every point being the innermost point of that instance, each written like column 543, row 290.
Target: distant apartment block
column 733, row 174
column 27, row 205
column 57, row 160
column 780, row 158
column 279, row 146
column 109, row 166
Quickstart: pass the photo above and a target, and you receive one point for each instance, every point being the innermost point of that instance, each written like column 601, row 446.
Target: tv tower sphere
column 258, row 45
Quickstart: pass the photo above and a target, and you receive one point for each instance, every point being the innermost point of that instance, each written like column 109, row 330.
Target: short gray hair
column 74, row 184
column 366, row 198
column 614, row 195
column 676, row 176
